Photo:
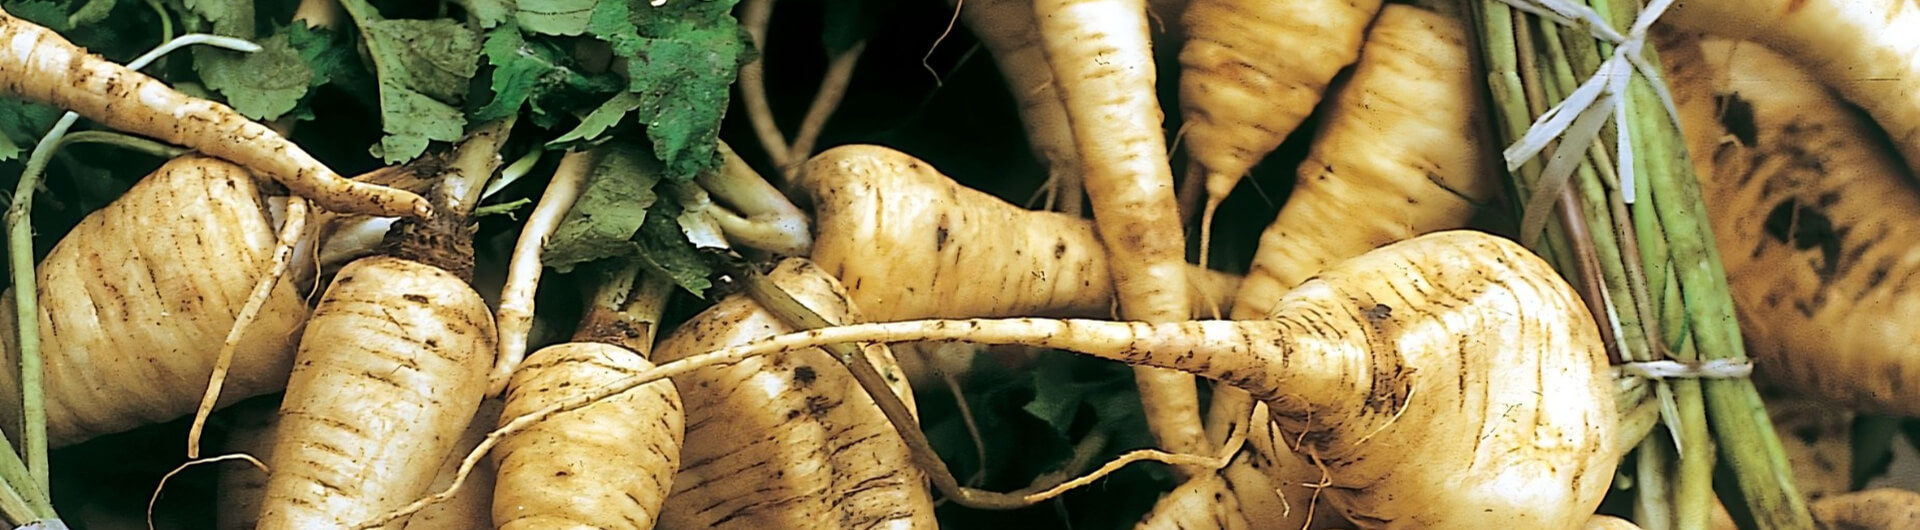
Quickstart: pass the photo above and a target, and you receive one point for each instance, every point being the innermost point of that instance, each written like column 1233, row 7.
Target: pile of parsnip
column 498, row 264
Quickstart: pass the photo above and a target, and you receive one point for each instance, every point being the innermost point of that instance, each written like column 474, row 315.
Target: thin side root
column 291, row 231
column 514, row 318
column 756, row 15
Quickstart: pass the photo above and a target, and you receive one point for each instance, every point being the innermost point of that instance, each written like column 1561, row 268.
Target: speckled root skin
column 136, row 300
column 391, row 369
column 608, row 465
column 1813, row 219
column 788, row 441
column 39, row 65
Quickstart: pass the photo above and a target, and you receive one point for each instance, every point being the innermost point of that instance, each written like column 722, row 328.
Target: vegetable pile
column 528, row 264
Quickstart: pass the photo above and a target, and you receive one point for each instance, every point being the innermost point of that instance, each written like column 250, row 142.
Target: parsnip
column 1415, row 374
column 392, row 366
column 40, row 65
column 242, row 488
column 1101, row 54
column 1401, row 153
column 1863, row 48
column 1008, row 31
column 1252, row 70
column 135, row 300
column 609, row 465
column 1811, row 216
column 1874, row 508
column 954, row 251
column 789, row 441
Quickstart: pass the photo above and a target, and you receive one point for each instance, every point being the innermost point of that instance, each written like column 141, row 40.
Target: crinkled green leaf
column 232, row 18
column 49, row 14
column 262, row 85
column 1056, row 397
column 555, row 17
column 423, row 67
column 489, row 13
column 22, row 124
column 611, row 209
column 613, row 22
column 439, row 56
column 524, row 71
column 693, row 53
column 412, row 121
column 334, row 61
column 601, row 119
column 326, row 54
column 665, row 250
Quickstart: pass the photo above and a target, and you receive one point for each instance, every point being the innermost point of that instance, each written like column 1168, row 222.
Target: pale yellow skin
column 39, row 65
column 1101, row 52
column 136, row 300
column 1867, row 50
column 1452, row 380
column 469, row 508
column 953, row 251
column 1007, row 29
column 391, row 368
column 1401, row 152
column 1252, row 70
column 1814, row 225
column 242, row 487
column 788, row 441
column 608, row 465
column 1874, row 508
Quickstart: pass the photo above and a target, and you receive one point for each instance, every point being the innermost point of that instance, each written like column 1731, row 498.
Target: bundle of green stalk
column 1614, row 203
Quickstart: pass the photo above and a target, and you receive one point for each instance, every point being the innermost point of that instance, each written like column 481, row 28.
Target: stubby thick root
column 135, row 301
column 823, row 454
column 391, row 367
column 953, row 251
column 608, row 465
column 1453, row 380
column 1813, row 219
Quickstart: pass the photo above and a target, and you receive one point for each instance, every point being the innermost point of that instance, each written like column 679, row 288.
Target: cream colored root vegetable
column 953, row 251
column 1415, row 373
column 1863, row 48
column 1252, row 70
column 469, row 508
column 1813, row 219
column 1008, row 31
column 1874, row 508
column 609, row 465
column 40, row 65
column 243, row 487
column 1102, row 58
column 1401, row 153
column 1608, row 522
column 136, row 300
column 391, row 369
column 788, row 441
column 392, row 364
